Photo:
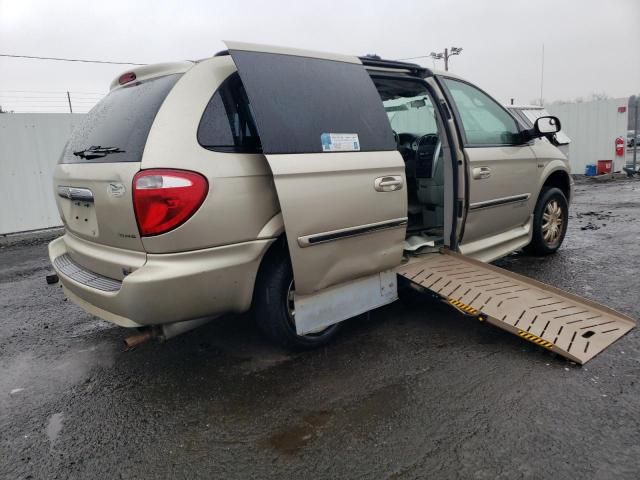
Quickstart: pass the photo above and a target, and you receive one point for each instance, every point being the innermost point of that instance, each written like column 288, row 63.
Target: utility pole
column 635, row 100
column 448, row 53
column 69, row 99
column 445, row 56
column 542, row 78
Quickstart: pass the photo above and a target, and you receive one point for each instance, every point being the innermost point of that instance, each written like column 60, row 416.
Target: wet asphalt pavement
column 409, row 391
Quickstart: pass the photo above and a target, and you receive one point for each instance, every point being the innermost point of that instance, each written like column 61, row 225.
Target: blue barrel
column 590, row 170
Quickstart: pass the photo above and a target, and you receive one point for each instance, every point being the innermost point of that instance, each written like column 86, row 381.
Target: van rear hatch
column 93, row 179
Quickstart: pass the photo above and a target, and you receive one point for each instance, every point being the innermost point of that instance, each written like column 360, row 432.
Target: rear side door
column 501, row 171
column 339, row 178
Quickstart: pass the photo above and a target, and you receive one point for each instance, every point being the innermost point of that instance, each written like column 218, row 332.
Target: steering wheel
column 427, row 149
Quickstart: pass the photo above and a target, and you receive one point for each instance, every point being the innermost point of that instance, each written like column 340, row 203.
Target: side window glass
column 227, row 124
column 484, row 121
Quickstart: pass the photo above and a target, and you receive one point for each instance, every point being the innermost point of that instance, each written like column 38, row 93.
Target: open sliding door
column 339, row 178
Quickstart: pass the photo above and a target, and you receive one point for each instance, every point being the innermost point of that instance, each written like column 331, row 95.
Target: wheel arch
column 278, row 250
column 558, row 179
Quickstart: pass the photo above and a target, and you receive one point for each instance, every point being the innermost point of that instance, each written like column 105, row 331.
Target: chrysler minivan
column 273, row 179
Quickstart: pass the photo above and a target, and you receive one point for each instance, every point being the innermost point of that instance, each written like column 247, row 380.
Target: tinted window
column 121, row 120
column 227, row 124
column 484, row 121
column 297, row 99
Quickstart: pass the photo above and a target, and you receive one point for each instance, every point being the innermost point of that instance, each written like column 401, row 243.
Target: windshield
column 411, row 115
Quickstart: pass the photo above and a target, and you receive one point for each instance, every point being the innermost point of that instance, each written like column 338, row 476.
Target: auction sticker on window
column 340, row 142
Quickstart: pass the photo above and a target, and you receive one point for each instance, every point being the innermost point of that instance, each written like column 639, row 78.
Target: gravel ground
column 408, row 391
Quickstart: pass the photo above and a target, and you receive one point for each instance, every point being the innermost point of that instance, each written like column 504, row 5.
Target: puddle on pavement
column 362, row 415
column 293, row 439
column 54, row 428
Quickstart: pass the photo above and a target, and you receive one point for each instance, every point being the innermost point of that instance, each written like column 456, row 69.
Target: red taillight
column 126, row 78
column 165, row 199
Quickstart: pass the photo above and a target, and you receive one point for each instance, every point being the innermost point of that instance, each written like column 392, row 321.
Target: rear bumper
column 167, row 288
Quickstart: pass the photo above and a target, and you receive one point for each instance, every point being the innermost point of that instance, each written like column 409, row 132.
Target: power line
column 46, row 91
column 69, row 59
column 446, row 55
column 413, row 58
column 47, row 97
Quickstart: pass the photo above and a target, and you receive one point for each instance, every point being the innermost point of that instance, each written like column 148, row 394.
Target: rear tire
column 273, row 308
column 550, row 220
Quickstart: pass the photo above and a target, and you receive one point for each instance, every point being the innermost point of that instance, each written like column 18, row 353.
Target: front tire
column 550, row 221
column 274, row 310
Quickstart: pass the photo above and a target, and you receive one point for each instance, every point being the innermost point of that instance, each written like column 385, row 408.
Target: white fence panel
column 30, row 145
column 593, row 128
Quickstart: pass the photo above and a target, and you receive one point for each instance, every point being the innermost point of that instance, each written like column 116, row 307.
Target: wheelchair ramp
column 571, row 326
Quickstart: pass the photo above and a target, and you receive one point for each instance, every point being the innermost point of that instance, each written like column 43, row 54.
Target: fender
column 553, row 168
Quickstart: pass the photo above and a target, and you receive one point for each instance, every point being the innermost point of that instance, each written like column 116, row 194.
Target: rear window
column 116, row 129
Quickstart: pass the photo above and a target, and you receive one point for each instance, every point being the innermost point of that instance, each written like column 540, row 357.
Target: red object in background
column 604, row 166
column 622, row 109
column 619, row 146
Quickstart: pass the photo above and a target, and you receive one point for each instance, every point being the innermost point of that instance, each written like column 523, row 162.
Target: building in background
column 593, row 128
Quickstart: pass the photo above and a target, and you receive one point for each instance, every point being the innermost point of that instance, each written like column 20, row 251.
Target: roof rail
column 414, row 68
column 369, row 61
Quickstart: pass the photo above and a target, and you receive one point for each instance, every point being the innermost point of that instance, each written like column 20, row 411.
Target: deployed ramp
column 571, row 326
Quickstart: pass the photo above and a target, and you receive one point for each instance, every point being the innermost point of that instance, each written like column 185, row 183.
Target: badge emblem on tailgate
column 116, row 189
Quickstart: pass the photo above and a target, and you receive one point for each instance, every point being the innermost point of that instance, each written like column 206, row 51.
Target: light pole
column 446, row 55
column 635, row 100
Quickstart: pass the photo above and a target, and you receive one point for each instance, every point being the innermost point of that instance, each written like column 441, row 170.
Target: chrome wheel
column 552, row 222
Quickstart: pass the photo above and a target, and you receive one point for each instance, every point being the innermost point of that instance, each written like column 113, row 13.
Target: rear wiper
column 96, row 151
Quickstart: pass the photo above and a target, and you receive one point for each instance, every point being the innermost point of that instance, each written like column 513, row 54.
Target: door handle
column 390, row 183
column 481, row 172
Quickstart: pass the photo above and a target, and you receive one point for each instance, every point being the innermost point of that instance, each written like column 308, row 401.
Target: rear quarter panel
column 242, row 197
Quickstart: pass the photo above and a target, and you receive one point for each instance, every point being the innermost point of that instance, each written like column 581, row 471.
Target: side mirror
column 546, row 126
column 543, row 127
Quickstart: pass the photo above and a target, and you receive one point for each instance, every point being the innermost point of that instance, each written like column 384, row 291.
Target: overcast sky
column 591, row 46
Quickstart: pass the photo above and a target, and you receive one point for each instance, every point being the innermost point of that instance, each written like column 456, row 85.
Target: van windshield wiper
column 96, row 151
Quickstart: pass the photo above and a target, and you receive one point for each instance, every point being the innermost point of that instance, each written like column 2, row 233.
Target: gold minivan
column 294, row 183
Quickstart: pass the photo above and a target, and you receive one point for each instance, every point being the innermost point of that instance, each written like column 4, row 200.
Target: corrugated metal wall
column 593, row 128
column 30, row 145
